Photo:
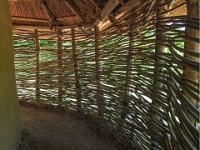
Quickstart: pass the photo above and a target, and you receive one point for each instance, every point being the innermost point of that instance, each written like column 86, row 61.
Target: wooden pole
column 158, row 68
column 192, row 12
column 10, row 126
column 37, row 84
column 98, row 58
column 60, row 69
column 110, row 5
column 76, row 66
column 159, row 49
column 128, row 73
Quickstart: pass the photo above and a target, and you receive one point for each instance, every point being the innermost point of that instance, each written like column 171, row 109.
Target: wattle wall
column 10, row 132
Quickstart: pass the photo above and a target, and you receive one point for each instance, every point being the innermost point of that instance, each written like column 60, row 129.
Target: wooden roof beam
column 124, row 9
column 31, row 27
column 127, row 7
column 110, row 5
column 40, row 20
column 49, row 14
column 74, row 8
column 29, row 19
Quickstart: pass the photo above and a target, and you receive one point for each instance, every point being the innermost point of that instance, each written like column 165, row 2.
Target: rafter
column 74, row 8
column 124, row 9
column 48, row 12
column 127, row 7
column 110, row 5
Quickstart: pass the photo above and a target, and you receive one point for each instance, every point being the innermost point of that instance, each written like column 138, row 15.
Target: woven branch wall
column 130, row 76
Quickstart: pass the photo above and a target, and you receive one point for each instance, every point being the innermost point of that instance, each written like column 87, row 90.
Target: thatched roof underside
column 59, row 13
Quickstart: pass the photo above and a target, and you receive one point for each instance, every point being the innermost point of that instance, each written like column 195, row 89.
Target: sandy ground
column 44, row 129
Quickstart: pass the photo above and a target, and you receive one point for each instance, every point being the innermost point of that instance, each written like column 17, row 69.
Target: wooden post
column 158, row 68
column 37, row 82
column 98, row 70
column 192, row 12
column 159, row 49
column 128, row 72
column 60, row 69
column 10, row 130
column 76, row 66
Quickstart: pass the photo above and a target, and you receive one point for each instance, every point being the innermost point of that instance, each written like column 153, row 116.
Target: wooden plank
column 192, row 12
column 37, row 82
column 74, row 8
column 76, row 67
column 110, row 5
column 60, row 65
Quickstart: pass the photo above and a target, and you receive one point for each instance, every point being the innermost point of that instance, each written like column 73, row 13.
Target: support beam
column 192, row 12
column 67, row 17
column 122, row 10
column 74, row 8
column 121, row 2
column 127, row 7
column 76, row 67
column 49, row 14
column 128, row 73
column 30, row 27
column 60, row 67
column 41, row 20
column 158, row 71
column 110, row 5
column 37, row 82
column 98, row 58
column 30, row 19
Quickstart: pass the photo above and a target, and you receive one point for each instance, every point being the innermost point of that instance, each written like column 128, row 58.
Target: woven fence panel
column 130, row 77
column 24, row 44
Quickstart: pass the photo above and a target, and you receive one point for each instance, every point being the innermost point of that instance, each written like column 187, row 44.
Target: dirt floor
column 44, row 129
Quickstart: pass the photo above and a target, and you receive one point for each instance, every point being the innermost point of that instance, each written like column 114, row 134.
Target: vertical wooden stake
column 158, row 68
column 192, row 12
column 60, row 69
column 76, row 66
column 159, row 49
column 128, row 72
column 98, row 58
column 37, row 84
